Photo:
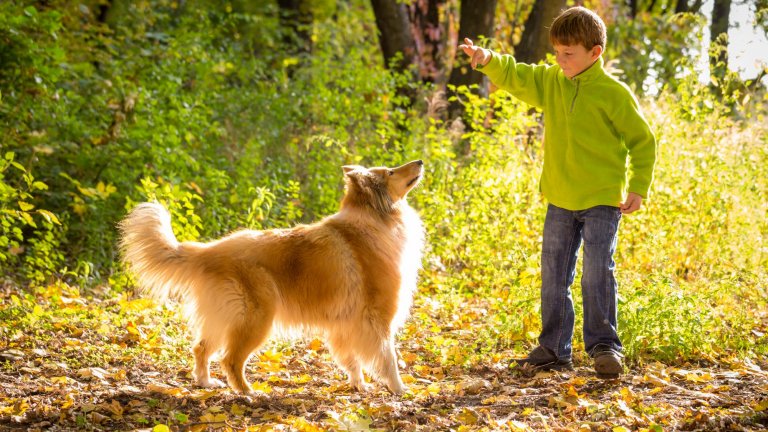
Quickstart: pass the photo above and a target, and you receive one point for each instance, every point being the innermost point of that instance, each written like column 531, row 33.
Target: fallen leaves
column 124, row 363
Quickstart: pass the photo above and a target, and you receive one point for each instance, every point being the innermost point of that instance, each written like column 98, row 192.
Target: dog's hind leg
column 249, row 328
column 243, row 341
column 349, row 362
column 203, row 352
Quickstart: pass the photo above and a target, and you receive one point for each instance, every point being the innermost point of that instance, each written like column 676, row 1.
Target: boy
column 597, row 145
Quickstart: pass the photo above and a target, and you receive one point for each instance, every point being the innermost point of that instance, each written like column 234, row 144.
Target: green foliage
column 207, row 111
column 654, row 49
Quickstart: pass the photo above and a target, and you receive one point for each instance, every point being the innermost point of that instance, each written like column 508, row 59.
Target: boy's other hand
column 631, row 204
column 477, row 55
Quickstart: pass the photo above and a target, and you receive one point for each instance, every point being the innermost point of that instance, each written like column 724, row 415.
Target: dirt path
column 306, row 392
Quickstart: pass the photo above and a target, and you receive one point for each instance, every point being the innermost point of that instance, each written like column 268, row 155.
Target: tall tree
column 684, row 6
column 476, row 20
column 296, row 19
column 718, row 36
column 534, row 43
column 395, row 38
column 430, row 37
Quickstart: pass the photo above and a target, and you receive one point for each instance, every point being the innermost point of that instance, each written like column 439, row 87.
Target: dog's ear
column 351, row 174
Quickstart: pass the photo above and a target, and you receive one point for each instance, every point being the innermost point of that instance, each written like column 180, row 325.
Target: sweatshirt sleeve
column 640, row 143
column 524, row 81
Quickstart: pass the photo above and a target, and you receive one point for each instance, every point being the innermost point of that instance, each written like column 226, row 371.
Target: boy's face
column 575, row 59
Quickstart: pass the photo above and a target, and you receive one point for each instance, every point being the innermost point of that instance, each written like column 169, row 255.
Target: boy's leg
column 599, row 286
column 562, row 238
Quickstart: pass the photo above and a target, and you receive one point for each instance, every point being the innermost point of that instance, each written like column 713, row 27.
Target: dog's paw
column 362, row 386
column 396, row 387
column 211, row 383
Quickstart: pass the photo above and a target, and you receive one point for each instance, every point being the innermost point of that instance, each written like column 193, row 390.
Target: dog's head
column 380, row 188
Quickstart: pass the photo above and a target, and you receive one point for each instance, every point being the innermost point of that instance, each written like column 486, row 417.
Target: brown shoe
column 543, row 359
column 607, row 362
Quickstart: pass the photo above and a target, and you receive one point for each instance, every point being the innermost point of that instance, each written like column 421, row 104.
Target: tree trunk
column 296, row 19
column 632, row 8
column 683, row 6
column 534, row 43
column 476, row 20
column 718, row 37
column 395, row 35
column 429, row 37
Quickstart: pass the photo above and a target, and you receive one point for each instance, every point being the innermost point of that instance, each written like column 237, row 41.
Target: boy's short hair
column 578, row 26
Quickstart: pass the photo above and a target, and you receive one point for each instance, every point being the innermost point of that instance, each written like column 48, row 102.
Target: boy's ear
column 596, row 51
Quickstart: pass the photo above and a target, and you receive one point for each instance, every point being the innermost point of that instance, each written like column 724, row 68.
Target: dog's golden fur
column 350, row 277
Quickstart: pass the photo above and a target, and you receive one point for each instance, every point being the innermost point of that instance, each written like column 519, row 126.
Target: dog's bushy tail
column 152, row 253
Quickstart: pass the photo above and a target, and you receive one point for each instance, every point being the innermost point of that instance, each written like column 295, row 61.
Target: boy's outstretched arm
column 478, row 56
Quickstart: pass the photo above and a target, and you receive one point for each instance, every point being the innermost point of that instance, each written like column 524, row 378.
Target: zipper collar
column 590, row 73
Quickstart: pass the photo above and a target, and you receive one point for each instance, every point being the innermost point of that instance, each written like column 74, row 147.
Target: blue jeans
column 564, row 231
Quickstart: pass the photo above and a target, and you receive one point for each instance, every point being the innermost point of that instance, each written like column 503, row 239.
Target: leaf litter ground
column 75, row 363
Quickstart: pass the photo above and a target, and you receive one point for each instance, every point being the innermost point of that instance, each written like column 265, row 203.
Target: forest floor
column 69, row 363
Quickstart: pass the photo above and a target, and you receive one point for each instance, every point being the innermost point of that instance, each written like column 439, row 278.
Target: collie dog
column 349, row 277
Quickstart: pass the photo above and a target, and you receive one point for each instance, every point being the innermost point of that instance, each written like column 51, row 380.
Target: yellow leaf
column 761, row 406
column 421, row 369
column 302, row 425
column 28, row 219
column 161, row 428
column 166, row 389
column 517, row 426
column 577, row 381
column 261, row 387
column 467, row 416
column 302, row 379
column 37, row 311
column 79, row 208
column 620, row 429
column 272, row 356
column 205, row 394
column 694, row 377
column 409, row 357
column 60, row 380
column 114, row 407
column 316, row 345
column 25, row 206
column 408, row 378
column 237, row 410
column 68, row 401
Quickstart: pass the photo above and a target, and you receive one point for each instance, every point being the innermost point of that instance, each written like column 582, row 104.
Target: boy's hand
column 478, row 56
column 632, row 203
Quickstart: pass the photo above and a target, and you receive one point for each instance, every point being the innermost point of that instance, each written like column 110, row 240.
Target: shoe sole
column 554, row 367
column 608, row 369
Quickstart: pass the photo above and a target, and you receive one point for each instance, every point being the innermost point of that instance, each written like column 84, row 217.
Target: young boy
column 597, row 146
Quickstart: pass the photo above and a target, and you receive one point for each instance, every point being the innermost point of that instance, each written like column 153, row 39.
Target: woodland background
column 241, row 113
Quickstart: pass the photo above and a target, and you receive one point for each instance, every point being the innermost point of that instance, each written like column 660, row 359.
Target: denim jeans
column 564, row 231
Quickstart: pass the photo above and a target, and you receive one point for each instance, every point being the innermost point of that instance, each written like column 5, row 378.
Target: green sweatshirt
column 596, row 140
